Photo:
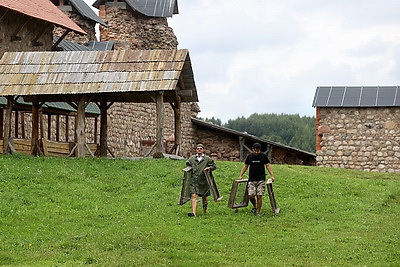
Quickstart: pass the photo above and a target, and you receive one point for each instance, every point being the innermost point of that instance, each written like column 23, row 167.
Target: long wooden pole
column 178, row 124
column 103, row 129
column 80, row 128
column 7, row 125
column 35, row 128
column 160, row 124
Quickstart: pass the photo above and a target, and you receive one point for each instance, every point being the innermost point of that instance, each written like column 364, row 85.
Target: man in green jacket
column 198, row 184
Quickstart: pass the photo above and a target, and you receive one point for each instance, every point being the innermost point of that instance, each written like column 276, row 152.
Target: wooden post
column 80, row 128
column 103, row 129
column 23, row 125
column 241, row 145
column 7, row 126
column 178, row 124
column 35, row 149
column 16, row 122
column 160, row 124
column 48, row 127
column 1, row 121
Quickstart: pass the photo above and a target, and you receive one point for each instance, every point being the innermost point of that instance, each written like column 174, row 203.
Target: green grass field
column 75, row 212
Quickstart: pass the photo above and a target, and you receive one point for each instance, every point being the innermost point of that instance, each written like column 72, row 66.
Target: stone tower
column 81, row 14
column 133, row 25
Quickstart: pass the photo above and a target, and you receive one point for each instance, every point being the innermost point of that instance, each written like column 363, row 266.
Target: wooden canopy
column 103, row 77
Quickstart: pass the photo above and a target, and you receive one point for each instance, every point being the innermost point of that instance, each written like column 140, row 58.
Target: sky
column 269, row 56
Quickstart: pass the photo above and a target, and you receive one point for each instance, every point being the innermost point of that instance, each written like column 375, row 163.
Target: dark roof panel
column 352, row 96
column 150, row 8
column 368, row 96
column 387, row 97
column 86, row 11
column 357, row 96
column 336, row 96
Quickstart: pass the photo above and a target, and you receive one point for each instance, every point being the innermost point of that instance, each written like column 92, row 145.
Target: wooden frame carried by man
column 185, row 190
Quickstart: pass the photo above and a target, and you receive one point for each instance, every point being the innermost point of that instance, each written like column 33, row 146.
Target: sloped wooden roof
column 43, row 10
column 119, row 75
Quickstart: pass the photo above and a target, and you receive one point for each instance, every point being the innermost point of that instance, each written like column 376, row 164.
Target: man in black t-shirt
column 256, row 184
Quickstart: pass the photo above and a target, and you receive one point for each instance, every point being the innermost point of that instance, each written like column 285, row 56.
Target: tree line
column 287, row 129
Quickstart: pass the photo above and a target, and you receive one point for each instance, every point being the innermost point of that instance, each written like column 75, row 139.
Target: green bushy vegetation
column 75, row 212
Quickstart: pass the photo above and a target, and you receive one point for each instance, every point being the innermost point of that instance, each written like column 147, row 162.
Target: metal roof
column 117, row 73
column 150, row 8
column 100, row 46
column 91, row 108
column 43, row 10
column 67, row 45
column 357, row 96
column 86, row 11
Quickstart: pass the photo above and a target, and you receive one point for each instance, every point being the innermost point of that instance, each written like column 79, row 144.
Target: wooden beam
column 35, row 148
column 35, row 40
column 16, row 122
column 48, row 127
column 59, row 40
column 80, row 128
column 23, row 125
column 1, row 122
column 160, row 125
column 15, row 37
column 178, row 124
column 241, row 146
column 7, row 126
column 103, row 128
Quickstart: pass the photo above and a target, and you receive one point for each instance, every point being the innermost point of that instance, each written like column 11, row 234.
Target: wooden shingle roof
column 117, row 74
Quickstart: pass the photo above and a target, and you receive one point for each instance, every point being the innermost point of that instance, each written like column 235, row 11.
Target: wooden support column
column 160, row 125
column 269, row 154
column 35, row 148
column 241, row 146
column 80, row 128
column 48, row 127
column 7, row 126
column 16, row 123
column 1, row 121
column 103, row 128
column 23, row 125
column 178, row 124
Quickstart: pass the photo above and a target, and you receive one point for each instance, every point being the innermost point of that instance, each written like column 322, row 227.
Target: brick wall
column 360, row 138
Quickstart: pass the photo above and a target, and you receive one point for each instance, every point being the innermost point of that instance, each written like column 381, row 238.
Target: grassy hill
column 74, row 212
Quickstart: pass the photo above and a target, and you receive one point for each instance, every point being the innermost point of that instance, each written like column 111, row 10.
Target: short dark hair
column 256, row 146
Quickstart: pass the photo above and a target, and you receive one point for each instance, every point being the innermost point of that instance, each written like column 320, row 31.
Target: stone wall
column 226, row 147
column 132, row 126
column 359, row 138
column 10, row 23
column 87, row 25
